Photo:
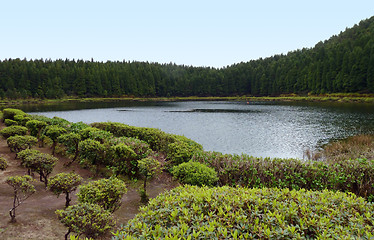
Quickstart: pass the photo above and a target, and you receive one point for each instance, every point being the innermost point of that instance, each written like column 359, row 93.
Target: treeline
column 344, row 63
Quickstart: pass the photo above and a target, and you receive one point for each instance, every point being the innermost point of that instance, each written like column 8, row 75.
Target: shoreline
column 339, row 98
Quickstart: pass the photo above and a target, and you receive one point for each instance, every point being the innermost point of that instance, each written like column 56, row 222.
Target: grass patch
column 360, row 146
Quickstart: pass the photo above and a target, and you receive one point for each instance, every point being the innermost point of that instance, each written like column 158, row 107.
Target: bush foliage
column 177, row 148
column 41, row 163
column 64, row 183
column 195, row 173
column 354, row 175
column 18, row 143
column 22, row 190
column 91, row 152
column 105, row 192
column 9, row 122
column 86, row 218
column 3, row 164
column 191, row 212
column 9, row 113
column 35, row 127
column 13, row 130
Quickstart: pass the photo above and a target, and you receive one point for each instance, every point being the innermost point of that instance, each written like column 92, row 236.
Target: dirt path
column 36, row 218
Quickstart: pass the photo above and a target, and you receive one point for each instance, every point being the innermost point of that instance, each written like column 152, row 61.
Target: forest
column 342, row 64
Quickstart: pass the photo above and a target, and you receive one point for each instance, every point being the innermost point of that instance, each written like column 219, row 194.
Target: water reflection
column 265, row 129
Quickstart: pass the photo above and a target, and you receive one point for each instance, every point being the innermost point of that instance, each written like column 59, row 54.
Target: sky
column 198, row 33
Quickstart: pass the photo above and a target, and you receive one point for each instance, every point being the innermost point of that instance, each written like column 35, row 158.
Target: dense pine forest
column 344, row 63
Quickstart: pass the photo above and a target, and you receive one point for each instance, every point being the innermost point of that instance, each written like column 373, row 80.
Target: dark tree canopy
column 344, row 63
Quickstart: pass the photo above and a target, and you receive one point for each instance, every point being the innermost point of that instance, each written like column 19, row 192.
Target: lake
column 261, row 129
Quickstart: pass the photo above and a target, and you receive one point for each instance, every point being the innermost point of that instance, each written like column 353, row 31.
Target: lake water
column 262, row 129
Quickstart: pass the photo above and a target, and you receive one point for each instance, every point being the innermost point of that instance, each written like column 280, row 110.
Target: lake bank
column 335, row 97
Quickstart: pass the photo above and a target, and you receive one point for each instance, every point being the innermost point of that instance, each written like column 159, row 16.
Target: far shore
column 336, row 97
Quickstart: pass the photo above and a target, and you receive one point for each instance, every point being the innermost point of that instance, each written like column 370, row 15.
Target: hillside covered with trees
column 344, row 63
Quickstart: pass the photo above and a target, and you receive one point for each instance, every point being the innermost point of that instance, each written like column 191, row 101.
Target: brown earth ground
column 36, row 218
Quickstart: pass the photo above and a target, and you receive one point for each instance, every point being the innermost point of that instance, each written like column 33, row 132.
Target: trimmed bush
column 71, row 142
column 140, row 147
column 3, row 163
column 13, row 130
column 9, row 113
column 85, row 218
column 195, row 173
column 124, row 159
column 22, row 119
column 100, row 135
column 18, row 143
column 148, row 167
column 77, row 127
column 91, row 152
column 9, row 122
column 105, row 192
column 191, row 212
column 36, row 161
column 22, row 190
column 35, row 127
column 86, row 132
column 64, row 183
column 180, row 151
column 53, row 132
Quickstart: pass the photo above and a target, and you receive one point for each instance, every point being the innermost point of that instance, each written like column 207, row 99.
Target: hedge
column 191, row 212
column 353, row 175
column 178, row 149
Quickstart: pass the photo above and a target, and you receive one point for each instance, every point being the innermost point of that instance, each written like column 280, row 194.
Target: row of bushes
column 97, row 200
column 178, row 149
column 192, row 212
column 353, row 175
column 106, row 144
column 92, row 146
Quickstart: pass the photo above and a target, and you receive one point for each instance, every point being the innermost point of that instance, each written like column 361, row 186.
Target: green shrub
column 77, row 127
column 86, row 132
column 53, row 132
column 140, row 147
column 100, row 135
column 85, row 218
column 22, row 190
column 36, row 127
column 71, row 142
column 18, row 143
column 22, row 119
column 35, row 161
column 64, row 183
column 22, row 155
column 182, row 149
column 3, row 163
column 52, row 121
column 9, row 113
column 148, row 168
column 191, row 212
column 105, row 192
column 355, row 175
column 195, row 173
column 91, row 152
column 124, row 159
column 13, row 130
column 9, row 122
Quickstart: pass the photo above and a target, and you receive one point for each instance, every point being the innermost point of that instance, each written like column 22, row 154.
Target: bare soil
column 36, row 218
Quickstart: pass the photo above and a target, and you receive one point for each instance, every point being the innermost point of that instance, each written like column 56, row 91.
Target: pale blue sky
column 199, row 33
